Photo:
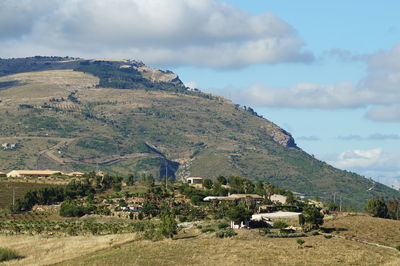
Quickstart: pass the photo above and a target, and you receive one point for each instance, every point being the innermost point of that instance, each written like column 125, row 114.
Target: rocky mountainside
column 122, row 117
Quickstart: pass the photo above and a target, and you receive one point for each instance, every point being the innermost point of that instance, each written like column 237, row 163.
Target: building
column 255, row 197
column 278, row 199
column 3, row 174
column 194, row 180
column 32, row 173
column 75, row 174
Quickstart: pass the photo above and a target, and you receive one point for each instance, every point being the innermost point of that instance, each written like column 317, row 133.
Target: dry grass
column 38, row 250
column 246, row 249
column 366, row 228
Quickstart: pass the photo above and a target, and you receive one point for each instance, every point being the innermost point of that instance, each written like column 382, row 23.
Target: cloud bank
column 165, row 32
column 375, row 163
column 378, row 91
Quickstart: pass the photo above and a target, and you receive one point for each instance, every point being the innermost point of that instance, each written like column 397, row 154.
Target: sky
column 326, row 71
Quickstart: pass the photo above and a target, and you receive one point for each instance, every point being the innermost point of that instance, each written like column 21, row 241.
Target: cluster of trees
column 384, row 209
column 89, row 185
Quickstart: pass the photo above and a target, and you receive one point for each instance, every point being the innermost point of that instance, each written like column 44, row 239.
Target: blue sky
column 326, row 71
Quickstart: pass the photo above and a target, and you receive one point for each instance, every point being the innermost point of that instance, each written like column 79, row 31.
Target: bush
column 229, row 232
column 398, row 248
column 223, row 225
column 280, row 224
column 207, row 230
column 300, row 242
column 285, row 235
column 330, row 236
column 8, row 254
column 263, row 231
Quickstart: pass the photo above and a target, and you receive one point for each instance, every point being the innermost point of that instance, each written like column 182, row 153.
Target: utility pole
column 166, row 175
column 13, row 199
column 340, row 206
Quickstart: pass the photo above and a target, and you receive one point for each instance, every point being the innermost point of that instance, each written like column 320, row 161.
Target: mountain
column 122, row 117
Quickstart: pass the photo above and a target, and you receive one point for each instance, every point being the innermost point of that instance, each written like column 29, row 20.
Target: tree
column 393, row 206
column 312, row 217
column 377, row 207
column 130, row 180
column 168, row 227
column 207, row 183
column 239, row 214
column 268, row 190
column 302, row 220
column 221, row 179
column 260, row 188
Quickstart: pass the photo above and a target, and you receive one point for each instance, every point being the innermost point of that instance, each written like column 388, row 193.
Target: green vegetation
column 311, row 218
column 8, row 254
column 383, row 209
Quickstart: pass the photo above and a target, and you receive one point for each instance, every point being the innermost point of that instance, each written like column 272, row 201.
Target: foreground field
column 340, row 246
column 366, row 228
column 245, row 249
column 38, row 250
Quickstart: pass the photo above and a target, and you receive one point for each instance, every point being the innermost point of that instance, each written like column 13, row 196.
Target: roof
column 233, row 197
column 75, row 173
column 241, row 196
column 34, row 172
column 198, row 178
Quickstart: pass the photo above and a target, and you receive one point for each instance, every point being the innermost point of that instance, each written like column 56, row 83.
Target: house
column 194, row 180
column 3, row 174
column 278, row 199
column 32, row 173
column 75, row 174
column 255, row 197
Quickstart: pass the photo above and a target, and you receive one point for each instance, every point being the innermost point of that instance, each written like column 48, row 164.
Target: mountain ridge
column 123, row 117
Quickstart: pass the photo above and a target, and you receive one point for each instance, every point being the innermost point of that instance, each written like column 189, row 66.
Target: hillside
column 123, row 117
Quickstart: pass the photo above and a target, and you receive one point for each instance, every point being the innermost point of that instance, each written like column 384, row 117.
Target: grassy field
column 191, row 247
column 366, row 228
column 245, row 249
column 37, row 250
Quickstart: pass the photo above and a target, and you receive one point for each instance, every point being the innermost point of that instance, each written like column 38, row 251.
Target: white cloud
column 389, row 113
column 371, row 163
column 192, row 32
column 379, row 90
column 192, row 84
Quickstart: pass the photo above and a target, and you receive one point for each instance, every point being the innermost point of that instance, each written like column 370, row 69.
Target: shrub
column 229, row 232
column 207, row 230
column 285, row 235
column 280, row 224
column 263, row 231
column 300, row 242
column 168, row 226
column 328, row 236
column 398, row 248
column 223, row 225
column 8, row 254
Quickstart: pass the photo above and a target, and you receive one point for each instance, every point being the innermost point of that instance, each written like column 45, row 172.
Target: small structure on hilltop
column 32, row 173
column 194, row 180
column 2, row 174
